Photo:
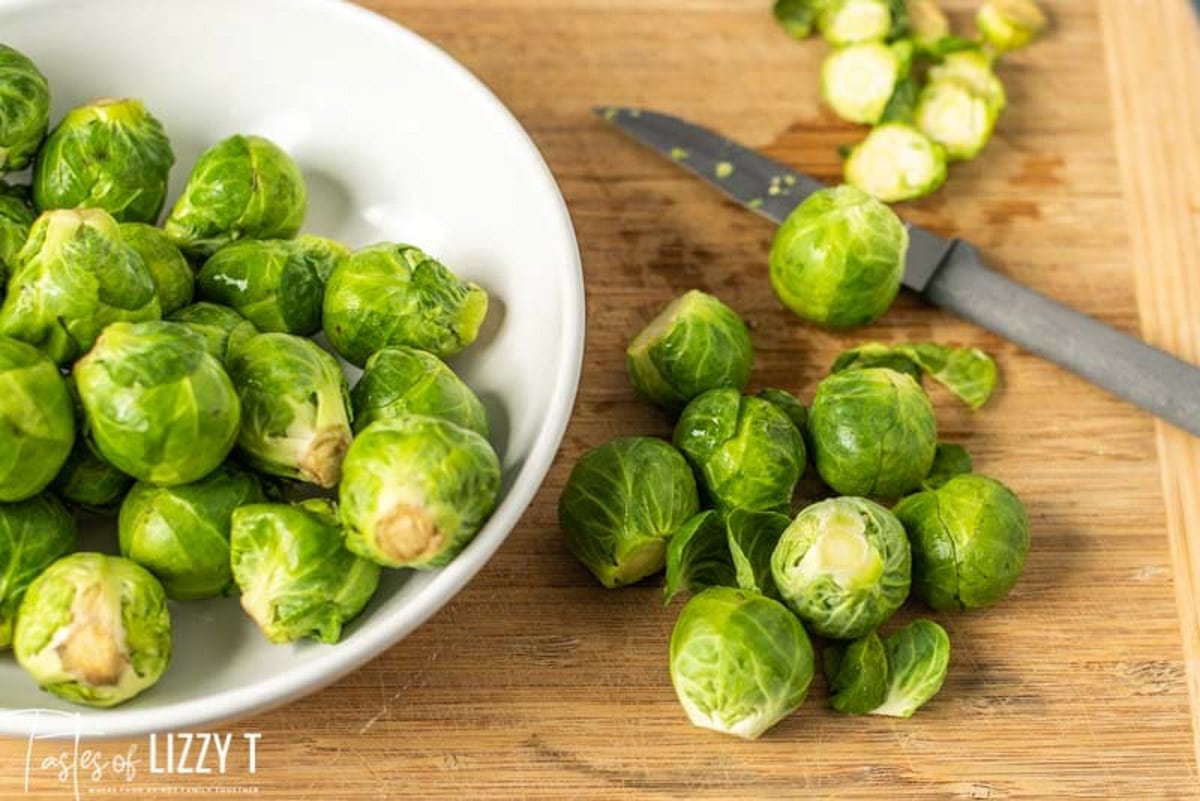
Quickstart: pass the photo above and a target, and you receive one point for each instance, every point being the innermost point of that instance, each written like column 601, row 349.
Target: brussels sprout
column 416, row 491
column 277, row 284
column 787, row 403
column 846, row 22
column 952, row 114
column 73, row 277
column 37, row 421
column 399, row 381
column 896, row 162
column 969, row 541
column 873, row 432
column 973, row 68
column 857, row 673
column 927, row 23
column 243, row 187
column 740, row 662
column 33, row 534
column 295, row 408
column 948, row 461
column 90, row 481
column 390, row 294
column 969, row 373
column 748, row 454
column 798, row 17
column 181, row 534
column 918, row 657
column 752, row 539
column 844, row 566
column 858, row 81
column 698, row 557
column 169, row 270
column 24, row 109
column 110, row 154
column 159, row 407
column 1007, row 25
column 838, row 258
column 622, row 502
column 16, row 216
column 94, row 630
column 695, row 344
column 296, row 576
column 223, row 329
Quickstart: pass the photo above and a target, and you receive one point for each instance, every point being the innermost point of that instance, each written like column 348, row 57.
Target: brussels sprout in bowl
column 459, row 178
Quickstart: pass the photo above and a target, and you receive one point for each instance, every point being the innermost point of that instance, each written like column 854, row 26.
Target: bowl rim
column 369, row 642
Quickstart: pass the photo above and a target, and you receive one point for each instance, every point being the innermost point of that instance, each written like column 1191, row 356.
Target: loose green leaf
column 918, row 657
column 752, row 537
column 698, row 557
column 969, row 373
column 798, row 17
column 949, row 460
column 857, row 673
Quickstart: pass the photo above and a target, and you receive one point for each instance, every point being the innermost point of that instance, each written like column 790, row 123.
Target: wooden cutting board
column 536, row 683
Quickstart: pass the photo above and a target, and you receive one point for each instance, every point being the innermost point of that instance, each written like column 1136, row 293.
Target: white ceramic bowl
column 397, row 142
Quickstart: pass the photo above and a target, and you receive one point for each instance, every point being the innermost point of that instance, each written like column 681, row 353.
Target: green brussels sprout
column 918, row 658
column 897, row 162
column 110, row 154
column 972, row 67
column 844, row 566
column 181, row 534
column 277, row 284
column 94, row 630
column 838, row 258
column 698, row 557
column 1007, row 25
column 33, row 534
column 16, row 216
column 787, row 403
column 399, row 381
column 159, row 407
column 74, row 276
column 948, row 461
column 857, row 673
column 224, row 329
column 952, row 114
column 695, row 344
column 390, row 294
column 740, row 662
column 24, row 109
column 845, row 22
column 172, row 275
column 295, row 408
column 296, row 577
column 752, row 538
column 37, row 421
column 927, row 23
column 748, row 454
column 798, row 17
column 90, row 481
column 873, row 432
column 969, row 373
column 622, row 503
column 969, row 541
column 858, row 81
column 416, row 491
column 243, row 187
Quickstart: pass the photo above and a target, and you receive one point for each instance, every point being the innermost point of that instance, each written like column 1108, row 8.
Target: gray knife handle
column 1121, row 364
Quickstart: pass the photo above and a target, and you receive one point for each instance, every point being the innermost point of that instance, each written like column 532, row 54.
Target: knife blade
column 950, row 273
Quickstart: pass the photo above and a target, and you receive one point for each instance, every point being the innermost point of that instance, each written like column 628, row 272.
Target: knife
column 950, row 273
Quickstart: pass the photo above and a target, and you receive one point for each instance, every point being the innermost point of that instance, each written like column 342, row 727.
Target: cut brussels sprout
column 94, row 630
column 844, row 566
column 972, row 67
column 400, row 381
column 858, row 81
column 873, row 432
column 846, row 22
column 789, row 404
column 948, row 461
column 295, row 408
column 172, row 275
column 698, row 557
column 416, row 491
column 223, row 329
column 752, row 540
column 952, row 114
column 296, row 576
column 24, row 109
column 181, row 534
column 857, row 673
column 1007, row 25
column 33, row 534
column 838, row 258
column 695, row 344
column 798, row 17
column 243, row 187
column 16, row 216
column 390, row 294
column 927, row 23
column 969, row 373
column 740, row 662
column 748, row 454
column 110, row 154
column 622, row 502
column 37, row 421
column 918, row 658
column 158, row 405
column 969, row 541
column 896, row 162
column 74, row 276
column 90, row 481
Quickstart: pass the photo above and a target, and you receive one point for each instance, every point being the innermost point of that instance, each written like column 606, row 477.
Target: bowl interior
column 397, row 142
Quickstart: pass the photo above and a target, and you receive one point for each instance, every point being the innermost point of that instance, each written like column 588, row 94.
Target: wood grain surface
column 536, row 683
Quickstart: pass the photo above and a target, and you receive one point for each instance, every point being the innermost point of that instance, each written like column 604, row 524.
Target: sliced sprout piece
column 973, row 67
column 858, row 80
column 33, row 534
column 24, row 109
column 969, row 373
column 752, row 539
column 857, row 673
column 1008, row 25
column 949, row 460
column 953, row 114
column 798, row 17
column 918, row 658
column 896, row 162
column 845, row 22
column 698, row 557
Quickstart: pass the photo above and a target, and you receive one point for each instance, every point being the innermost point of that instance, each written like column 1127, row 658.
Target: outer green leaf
column 969, row 373
column 798, row 17
column 857, row 673
column 949, row 460
column 172, row 275
column 223, row 329
column 24, row 109
column 33, row 534
column 399, row 381
column 698, row 557
column 918, row 658
column 752, row 538
column 789, row 404
column 37, row 421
